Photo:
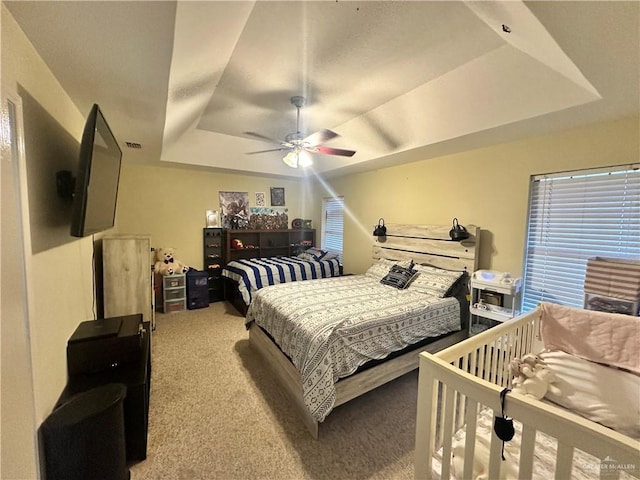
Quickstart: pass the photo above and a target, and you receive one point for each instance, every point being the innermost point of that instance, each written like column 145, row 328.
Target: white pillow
column 434, row 281
column 382, row 266
column 312, row 254
column 606, row 395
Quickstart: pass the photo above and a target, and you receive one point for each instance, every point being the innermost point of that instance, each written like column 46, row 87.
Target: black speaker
column 84, row 437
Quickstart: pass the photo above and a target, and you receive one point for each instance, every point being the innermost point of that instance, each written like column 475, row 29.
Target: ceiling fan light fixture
column 304, row 159
column 291, row 159
column 300, row 147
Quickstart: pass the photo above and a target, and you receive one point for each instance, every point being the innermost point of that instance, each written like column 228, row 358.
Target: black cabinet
column 136, row 376
column 214, row 260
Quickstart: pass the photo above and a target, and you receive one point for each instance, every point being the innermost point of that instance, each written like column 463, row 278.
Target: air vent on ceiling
column 133, row 145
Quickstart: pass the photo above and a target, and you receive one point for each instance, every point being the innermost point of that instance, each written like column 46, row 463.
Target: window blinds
column 573, row 217
column 332, row 225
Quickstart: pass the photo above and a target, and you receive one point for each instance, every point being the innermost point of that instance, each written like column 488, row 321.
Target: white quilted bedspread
column 330, row 327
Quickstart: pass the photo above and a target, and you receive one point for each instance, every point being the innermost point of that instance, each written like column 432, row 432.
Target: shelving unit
column 499, row 301
column 214, row 259
column 268, row 243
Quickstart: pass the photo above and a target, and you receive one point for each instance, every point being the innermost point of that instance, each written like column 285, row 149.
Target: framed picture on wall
column 261, row 200
column 277, row 197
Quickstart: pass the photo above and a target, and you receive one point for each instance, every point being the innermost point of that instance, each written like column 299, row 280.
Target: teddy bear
column 522, row 369
column 167, row 264
column 538, row 384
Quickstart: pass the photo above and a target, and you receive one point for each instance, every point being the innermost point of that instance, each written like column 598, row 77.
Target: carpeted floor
column 217, row 413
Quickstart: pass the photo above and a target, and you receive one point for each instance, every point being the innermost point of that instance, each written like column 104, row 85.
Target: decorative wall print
column 213, row 218
column 261, row 199
column 265, row 218
column 235, row 209
column 277, row 197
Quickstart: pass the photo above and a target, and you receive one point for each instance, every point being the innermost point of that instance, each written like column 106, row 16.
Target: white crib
column 456, row 383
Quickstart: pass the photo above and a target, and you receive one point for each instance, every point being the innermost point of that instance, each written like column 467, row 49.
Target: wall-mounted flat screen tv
column 96, row 189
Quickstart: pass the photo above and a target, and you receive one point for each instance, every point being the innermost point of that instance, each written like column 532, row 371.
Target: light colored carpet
column 217, row 413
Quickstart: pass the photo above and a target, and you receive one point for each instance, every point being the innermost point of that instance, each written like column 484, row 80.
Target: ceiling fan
column 299, row 148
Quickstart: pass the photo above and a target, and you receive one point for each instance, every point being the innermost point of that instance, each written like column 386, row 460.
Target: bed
column 251, row 274
column 361, row 333
column 556, row 437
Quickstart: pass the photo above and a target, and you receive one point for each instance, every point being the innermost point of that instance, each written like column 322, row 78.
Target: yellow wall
column 37, row 316
column 487, row 187
column 169, row 203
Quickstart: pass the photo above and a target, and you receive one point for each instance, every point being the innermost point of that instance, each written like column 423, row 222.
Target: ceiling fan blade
column 320, row 136
column 265, row 151
column 262, row 137
column 335, row 151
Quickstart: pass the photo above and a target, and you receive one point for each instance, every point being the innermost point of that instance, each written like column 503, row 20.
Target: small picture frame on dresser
column 212, row 218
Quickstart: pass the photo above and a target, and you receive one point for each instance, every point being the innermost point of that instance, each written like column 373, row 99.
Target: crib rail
column 455, row 383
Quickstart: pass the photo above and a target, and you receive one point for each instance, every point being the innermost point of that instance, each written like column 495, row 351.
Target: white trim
column 13, row 151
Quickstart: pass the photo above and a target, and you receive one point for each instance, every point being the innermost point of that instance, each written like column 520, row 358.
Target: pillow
column 605, row 395
column 312, row 254
column 381, row 267
column 434, row 281
column 399, row 277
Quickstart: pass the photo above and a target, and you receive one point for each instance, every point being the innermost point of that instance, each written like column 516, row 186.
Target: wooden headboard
column 429, row 244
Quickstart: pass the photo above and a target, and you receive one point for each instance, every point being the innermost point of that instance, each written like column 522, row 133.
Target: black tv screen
column 96, row 190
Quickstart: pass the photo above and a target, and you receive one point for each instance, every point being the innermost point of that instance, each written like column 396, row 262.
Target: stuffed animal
column 522, row 369
column 167, row 264
column 539, row 383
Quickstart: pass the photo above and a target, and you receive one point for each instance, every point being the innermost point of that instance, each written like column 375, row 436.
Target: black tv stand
column 136, row 376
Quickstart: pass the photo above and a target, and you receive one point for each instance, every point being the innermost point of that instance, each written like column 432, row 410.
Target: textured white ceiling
column 399, row 81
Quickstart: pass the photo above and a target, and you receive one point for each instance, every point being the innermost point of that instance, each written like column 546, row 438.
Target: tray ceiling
column 398, row 81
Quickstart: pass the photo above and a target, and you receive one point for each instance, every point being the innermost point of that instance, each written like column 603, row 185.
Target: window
column 573, row 217
column 332, row 225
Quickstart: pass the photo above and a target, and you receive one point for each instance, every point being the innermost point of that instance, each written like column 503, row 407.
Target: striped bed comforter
column 254, row 273
column 330, row 327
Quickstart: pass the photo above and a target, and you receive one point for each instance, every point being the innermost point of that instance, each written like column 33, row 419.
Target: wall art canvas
column 269, row 218
column 277, row 197
column 261, row 199
column 235, row 209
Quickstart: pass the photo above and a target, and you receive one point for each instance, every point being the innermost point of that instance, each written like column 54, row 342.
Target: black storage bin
column 84, row 437
column 197, row 289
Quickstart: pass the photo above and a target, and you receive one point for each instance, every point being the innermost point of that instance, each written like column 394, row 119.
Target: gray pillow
column 399, row 277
